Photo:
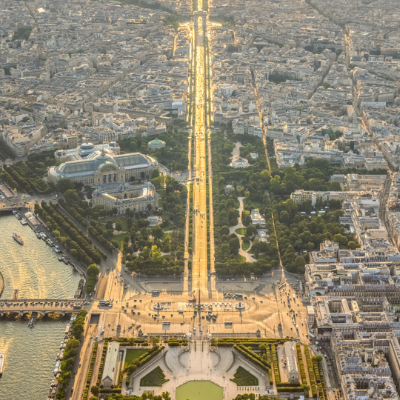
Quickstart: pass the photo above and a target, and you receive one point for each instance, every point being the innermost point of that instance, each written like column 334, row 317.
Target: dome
column 107, row 166
column 156, row 141
column 156, row 144
column 87, row 146
column 103, row 160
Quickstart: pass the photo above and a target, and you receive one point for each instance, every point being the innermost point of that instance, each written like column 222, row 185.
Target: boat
column 18, row 238
column 17, row 215
column 2, row 358
column 38, row 235
column 23, row 221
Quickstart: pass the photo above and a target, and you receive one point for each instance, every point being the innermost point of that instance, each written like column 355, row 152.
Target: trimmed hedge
column 177, row 342
column 290, row 389
column 288, row 384
column 251, row 356
column 268, row 357
column 301, row 364
column 276, row 365
column 271, row 378
column 311, row 374
column 103, row 356
column 144, row 358
column 249, row 342
column 114, row 390
column 319, row 376
column 90, row 371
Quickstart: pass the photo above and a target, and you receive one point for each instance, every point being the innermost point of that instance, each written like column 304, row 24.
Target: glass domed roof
column 107, row 166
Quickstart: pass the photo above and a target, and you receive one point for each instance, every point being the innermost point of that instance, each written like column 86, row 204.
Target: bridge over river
column 41, row 306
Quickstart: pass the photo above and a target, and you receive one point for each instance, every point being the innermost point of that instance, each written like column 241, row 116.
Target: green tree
column 129, row 223
column 77, row 330
column 95, row 390
column 352, row 245
column 118, row 226
column 284, row 217
column 93, row 270
column 109, row 224
column 157, row 232
column 166, row 396
column 300, row 264
column 342, row 240
column 71, row 196
column 64, row 184
column 154, row 340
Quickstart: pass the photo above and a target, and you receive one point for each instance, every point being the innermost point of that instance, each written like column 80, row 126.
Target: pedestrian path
column 232, row 229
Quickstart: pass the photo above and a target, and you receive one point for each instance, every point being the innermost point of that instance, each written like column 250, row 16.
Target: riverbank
column 35, row 271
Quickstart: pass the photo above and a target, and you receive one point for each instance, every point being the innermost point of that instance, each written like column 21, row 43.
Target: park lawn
column 244, row 378
column 241, row 231
column 124, row 224
column 245, row 244
column 132, row 355
column 114, row 221
column 120, row 239
column 169, row 227
column 154, row 378
column 166, row 236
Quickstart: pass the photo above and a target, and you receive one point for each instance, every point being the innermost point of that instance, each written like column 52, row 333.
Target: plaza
column 199, row 370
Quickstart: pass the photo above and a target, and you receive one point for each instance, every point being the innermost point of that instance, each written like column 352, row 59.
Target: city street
column 199, row 257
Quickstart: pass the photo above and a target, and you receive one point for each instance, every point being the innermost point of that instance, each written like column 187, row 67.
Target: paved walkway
column 236, row 150
column 232, row 229
column 199, row 362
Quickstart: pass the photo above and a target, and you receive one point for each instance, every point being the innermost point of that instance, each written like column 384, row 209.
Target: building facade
column 124, row 195
column 99, row 168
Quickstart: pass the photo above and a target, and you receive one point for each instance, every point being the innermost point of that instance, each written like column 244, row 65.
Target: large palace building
column 101, row 167
column 124, row 195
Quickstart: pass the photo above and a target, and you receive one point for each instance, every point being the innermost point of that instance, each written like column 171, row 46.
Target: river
column 35, row 270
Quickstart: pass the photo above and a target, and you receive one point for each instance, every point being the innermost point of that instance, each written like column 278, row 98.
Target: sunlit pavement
column 199, row 258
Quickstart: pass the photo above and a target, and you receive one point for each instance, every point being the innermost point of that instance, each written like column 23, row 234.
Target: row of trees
column 6, row 150
column 26, row 177
column 68, row 235
column 92, row 275
column 70, row 352
column 81, row 211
